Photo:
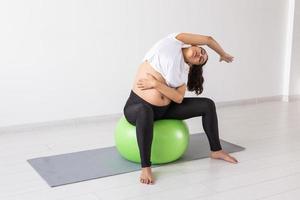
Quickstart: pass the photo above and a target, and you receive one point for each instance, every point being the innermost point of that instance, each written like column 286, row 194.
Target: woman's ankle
column 146, row 168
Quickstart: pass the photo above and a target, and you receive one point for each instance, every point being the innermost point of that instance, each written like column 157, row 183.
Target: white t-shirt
column 166, row 57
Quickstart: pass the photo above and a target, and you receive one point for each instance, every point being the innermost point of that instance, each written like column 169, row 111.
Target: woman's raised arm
column 196, row 39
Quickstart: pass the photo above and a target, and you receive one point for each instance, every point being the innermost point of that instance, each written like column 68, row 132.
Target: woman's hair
column 195, row 78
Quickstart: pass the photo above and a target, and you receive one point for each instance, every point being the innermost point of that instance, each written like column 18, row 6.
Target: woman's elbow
column 179, row 100
column 209, row 39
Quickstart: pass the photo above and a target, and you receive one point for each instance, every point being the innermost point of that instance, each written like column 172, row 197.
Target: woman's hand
column 147, row 83
column 226, row 57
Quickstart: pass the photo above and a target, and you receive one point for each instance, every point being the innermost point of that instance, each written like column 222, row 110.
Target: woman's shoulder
column 173, row 37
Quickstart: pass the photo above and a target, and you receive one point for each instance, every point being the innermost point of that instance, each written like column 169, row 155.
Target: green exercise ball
column 170, row 140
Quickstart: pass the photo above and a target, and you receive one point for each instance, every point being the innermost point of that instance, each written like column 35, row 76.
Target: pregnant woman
column 171, row 66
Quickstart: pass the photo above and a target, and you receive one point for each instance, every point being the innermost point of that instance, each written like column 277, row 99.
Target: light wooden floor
column 269, row 168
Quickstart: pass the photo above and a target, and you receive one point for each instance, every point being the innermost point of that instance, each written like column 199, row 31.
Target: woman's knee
column 144, row 111
column 209, row 104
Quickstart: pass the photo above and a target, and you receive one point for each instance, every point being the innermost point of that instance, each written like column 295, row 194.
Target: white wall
column 64, row 59
column 295, row 61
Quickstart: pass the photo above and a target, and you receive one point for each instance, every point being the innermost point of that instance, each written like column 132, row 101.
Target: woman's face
column 196, row 55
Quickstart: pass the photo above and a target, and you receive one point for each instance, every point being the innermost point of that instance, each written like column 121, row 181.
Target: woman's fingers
column 142, row 84
column 226, row 57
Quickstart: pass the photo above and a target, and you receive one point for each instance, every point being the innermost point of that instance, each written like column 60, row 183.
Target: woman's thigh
column 189, row 107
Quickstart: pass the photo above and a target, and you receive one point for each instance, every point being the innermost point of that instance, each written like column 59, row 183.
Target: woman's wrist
column 222, row 54
column 214, row 45
column 156, row 84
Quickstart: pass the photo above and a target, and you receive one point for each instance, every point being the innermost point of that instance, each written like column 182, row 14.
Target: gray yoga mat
column 96, row 163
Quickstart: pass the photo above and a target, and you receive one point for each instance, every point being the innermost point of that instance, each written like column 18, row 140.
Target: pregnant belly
column 152, row 96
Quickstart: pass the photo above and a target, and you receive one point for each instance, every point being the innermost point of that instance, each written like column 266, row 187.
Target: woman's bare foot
column 146, row 176
column 223, row 155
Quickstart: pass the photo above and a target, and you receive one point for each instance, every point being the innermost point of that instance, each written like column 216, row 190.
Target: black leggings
column 142, row 114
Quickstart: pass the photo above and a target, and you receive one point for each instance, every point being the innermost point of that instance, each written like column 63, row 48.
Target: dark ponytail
column 195, row 78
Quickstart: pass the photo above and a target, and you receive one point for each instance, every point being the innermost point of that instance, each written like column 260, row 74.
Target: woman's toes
column 236, row 161
column 233, row 158
column 230, row 159
column 146, row 180
column 223, row 155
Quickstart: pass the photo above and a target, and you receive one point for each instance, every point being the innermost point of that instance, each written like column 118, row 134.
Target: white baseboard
column 250, row 101
column 114, row 117
column 294, row 97
column 59, row 123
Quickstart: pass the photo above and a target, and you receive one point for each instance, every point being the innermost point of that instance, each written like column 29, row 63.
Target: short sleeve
column 173, row 36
